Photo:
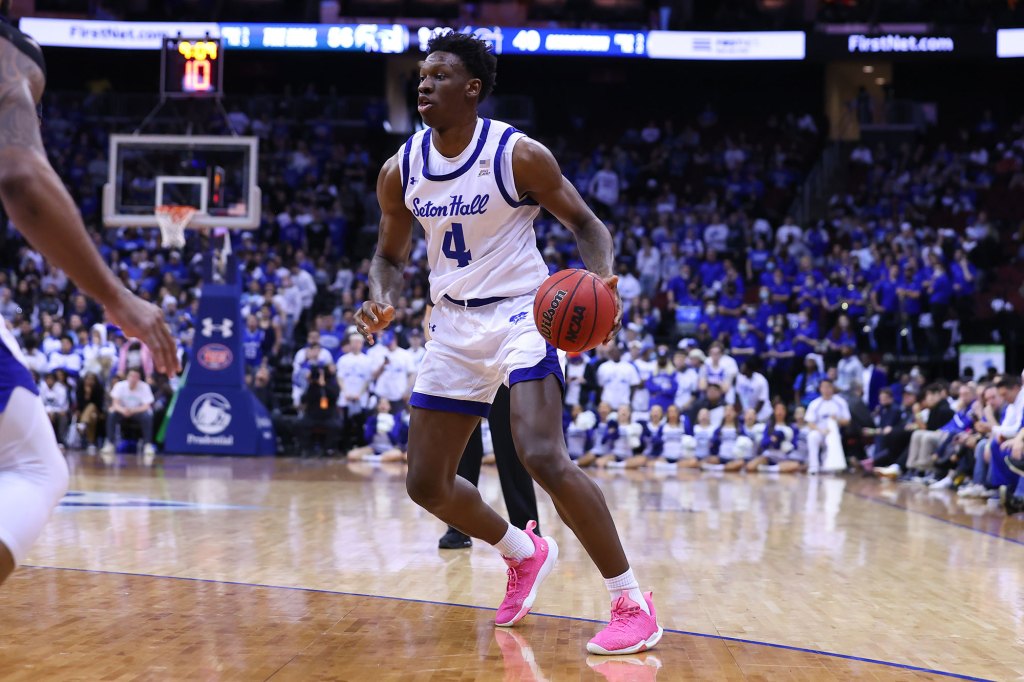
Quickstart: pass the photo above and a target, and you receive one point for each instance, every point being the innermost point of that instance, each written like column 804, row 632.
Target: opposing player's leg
column 33, row 476
column 537, row 428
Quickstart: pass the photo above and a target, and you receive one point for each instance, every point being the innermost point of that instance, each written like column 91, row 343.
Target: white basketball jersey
column 480, row 238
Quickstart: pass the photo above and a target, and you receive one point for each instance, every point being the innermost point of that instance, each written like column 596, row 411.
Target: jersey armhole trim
column 405, row 165
column 499, row 176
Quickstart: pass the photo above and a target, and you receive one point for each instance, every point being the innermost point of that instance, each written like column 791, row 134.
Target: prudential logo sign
column 211, row 416
column 894, row 42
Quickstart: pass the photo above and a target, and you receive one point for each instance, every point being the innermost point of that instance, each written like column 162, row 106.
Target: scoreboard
column 192, row 67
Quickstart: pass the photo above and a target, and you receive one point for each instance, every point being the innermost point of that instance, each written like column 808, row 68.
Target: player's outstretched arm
column 43, row 211
column 394, row 242
column 538, row 175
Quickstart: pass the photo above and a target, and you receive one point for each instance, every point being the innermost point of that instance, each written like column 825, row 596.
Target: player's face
column 445, row 88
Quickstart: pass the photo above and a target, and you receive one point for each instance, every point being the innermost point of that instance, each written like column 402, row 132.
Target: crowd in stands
column 750, row 341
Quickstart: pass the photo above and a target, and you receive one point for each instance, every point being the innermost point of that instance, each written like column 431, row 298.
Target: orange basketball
column 574, row 310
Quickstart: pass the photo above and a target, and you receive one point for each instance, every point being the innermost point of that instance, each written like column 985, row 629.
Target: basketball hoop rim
column 172, row 220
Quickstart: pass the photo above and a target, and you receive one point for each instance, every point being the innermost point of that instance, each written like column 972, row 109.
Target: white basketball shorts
column 477, row 346
column 33, row 473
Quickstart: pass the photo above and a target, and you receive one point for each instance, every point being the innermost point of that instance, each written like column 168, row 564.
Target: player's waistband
column 475, row 302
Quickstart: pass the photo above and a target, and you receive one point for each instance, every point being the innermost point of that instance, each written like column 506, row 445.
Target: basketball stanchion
column 214, row 412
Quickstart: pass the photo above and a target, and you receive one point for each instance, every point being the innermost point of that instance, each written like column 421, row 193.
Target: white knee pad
column 33, row 473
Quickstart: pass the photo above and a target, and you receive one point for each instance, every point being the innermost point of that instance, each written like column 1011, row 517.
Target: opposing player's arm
column 44, row 212
column 394, row 242
column 538, row 176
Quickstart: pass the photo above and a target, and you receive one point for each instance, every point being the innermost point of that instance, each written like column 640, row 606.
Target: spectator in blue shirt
column 781, row 291
column 730, row 307
column 779, row 360
column 745, row 343
column 757, row 258
column 909, row 291
column 808, row 296
column 711, row 271
column 806, row 386
column 805, row 336
column 663, row 385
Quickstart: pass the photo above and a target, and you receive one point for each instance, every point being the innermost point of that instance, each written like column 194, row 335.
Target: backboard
column 215, row 174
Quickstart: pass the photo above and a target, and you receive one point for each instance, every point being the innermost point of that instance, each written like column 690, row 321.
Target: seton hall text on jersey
column 457, row 207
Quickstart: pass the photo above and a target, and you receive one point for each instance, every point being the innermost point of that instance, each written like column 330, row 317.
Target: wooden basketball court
column 243, row 569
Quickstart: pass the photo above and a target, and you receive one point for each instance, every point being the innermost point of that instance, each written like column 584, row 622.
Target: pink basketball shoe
column 631, row 630
column 524, row 577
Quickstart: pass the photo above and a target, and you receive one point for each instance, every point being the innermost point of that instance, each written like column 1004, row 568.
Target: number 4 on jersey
column 454, row 246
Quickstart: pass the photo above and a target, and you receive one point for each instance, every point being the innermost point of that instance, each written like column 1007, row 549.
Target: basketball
column 574, row 310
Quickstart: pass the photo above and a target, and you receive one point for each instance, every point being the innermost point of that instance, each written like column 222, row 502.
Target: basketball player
column 475, row 186
column 33, row 474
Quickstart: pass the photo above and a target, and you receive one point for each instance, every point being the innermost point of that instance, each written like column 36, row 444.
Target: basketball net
column 172, row 221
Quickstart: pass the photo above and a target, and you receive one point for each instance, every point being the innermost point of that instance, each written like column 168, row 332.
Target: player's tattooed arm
column 44, row 212
column 394, row 243
column 536, row 174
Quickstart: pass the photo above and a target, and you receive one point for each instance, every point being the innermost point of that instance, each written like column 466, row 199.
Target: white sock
column 516, row 544
column 627, row 583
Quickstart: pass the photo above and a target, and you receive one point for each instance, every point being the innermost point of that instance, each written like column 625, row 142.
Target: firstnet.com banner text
column 894, row 42
column 112, row 35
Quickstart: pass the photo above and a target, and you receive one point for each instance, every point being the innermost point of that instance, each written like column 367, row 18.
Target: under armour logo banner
column 225, row 328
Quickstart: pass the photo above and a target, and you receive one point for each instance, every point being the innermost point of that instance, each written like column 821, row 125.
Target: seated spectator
column 825, row 416
column 777, row 443
column 54, row 395
column 714, row 402
column 131, row 401
column 35, row 359
column 697, row 448
column 731, row 446
column 99, row 355
column 386, row 435
column 807, row 384
column 924, row 442
column 667, row 435
column 66, row 359
column 135, row 355
column 579, row 436
column 624, row 438
column 985, row 415
column 89, row 403
column 599, row 440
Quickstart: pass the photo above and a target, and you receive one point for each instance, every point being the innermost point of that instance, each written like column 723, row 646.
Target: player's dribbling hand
column 373, row 317
column 144, row 321
column 613, row 284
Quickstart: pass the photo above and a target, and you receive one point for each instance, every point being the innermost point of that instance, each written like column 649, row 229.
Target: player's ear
column 473, row 86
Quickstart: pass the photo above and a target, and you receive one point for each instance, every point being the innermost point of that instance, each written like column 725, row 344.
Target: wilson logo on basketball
column 548, row 316
column 576, row 323
column 215, row 357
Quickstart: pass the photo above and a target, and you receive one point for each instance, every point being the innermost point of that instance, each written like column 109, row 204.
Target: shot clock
column 192, row 67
